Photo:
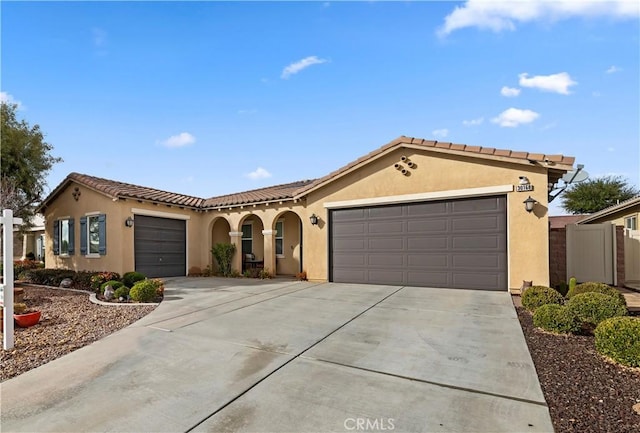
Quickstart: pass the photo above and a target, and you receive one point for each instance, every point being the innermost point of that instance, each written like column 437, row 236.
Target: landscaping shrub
column 99, row 278
column 48, row 277
column 114, row 285
column 619, row 339
column 556, row 318
column 130, row 278
column 82, row 280
column 597, row 288
column 592, row 308
column 144, row 291
column 223, row 253
column 121, row 292
column 20, row 266
column 264, row 274
column 538, row 296
column 562, row 288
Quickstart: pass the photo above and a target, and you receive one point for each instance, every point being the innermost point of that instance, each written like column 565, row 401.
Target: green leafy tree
column 25, row 162
column 596, row 194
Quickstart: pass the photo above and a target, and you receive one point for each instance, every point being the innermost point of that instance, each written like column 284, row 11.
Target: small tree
column 596, row 194
column 223, row 253
column 25, row 162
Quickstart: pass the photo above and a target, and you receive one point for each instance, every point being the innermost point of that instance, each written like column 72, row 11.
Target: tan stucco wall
column 120, row 253
column 289, row 263
column 528, row 250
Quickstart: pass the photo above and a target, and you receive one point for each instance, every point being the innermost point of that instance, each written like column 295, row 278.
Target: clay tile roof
column 271, row 193
column 115, row 189
column 460, row 149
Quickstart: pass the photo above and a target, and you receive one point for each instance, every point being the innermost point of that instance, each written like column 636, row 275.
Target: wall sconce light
column 314, row 219
column 529, row 203
column 128, row 222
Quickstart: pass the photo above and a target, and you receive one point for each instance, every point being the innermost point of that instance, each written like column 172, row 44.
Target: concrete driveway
column 267, row 356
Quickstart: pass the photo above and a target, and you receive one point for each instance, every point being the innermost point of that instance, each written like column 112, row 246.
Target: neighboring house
column 627, row 215
column 413, row 212
column 28, row 241
column 560, row 221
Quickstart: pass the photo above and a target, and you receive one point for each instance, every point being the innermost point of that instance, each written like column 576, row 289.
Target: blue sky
column 209, row 98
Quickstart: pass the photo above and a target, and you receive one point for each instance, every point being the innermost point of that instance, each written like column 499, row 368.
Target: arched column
column 236, row 239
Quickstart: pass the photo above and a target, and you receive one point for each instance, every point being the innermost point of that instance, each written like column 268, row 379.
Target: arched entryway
column 287, row 238
column 220, row 229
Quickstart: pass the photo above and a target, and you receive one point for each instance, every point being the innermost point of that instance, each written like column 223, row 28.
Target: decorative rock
column 108, row 293
column 66, row 283
column 636, row 408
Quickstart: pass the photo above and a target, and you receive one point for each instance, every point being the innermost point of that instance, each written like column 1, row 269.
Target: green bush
column 121, row 292
column 556, row 318
column 82, row 280
column 114, row 285
column 223, row 253
column 144, row 291
column 619, row 339
column 48, row 277
column 538, row 296
column 597, row 288
column 130, row 278
column 562, row 288
column 21, row 266
column 592, row 308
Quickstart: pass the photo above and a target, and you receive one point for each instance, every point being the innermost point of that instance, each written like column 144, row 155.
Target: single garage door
column 453, row 243
column 160, row 246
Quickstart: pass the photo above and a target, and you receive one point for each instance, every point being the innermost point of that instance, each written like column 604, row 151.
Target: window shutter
column 83, row 235
column 56, row 237
column 102, row 232
column 72, row 237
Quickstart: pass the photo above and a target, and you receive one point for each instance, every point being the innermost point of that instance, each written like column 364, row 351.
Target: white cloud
column 99, row 37
column 181, row 140
column 513, row 117
column 441, row 133
column 611, row 149
column 298, row 66
column 613, row 70
column 504, row 15
column 258, row 173
column 9, row 99
column 509, row 92
column 558, row 83
column 473, row 122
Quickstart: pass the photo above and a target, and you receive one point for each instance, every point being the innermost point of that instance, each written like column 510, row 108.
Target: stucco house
column 413, row 212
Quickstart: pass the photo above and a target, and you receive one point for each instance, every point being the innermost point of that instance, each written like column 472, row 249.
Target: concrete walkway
column 246, row 355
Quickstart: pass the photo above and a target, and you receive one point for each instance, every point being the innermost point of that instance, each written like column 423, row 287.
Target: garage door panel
column 384, row 276
column 429, row 261
column 475, row 223
column 430, row 208
column 350, row 228
column 423, row 226
column 431, row 279
column 428, row 243
column 386, row 244
column 448, row 243
column 386, row 227
column 351, row 259
column 386, row 260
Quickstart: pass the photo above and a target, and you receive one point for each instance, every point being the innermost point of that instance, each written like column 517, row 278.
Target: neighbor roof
column 627, row 204
column 558, row 163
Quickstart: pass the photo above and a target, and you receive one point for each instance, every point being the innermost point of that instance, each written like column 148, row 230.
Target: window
column 247, row 239
column 63, row 237
column 631, row 223
column 40, row 247
column 280, row 239
column 93, row 234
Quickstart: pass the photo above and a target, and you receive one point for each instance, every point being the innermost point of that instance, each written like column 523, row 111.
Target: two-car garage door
column 450, row 243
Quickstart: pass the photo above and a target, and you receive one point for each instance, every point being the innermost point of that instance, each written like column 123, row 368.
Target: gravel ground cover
column 69, row 321
column 585, row 392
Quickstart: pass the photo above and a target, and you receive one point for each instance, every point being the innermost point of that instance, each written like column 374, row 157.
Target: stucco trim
column 427, row 196
column 155, row 213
